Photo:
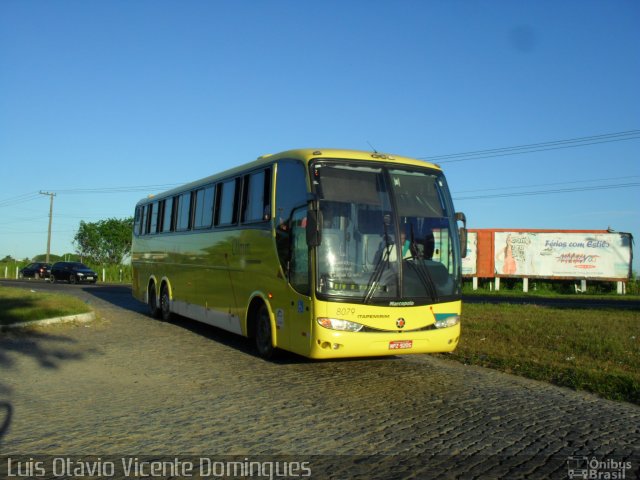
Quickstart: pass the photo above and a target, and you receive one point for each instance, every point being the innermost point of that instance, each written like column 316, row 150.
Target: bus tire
column 165, row 304
column 263, row 337
column 152, row 301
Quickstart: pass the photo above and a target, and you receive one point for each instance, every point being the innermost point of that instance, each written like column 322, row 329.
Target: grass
column 597, row 350
column 18, row 305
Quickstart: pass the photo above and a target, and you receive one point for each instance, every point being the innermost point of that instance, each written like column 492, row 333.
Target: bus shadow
column 121, row 296
column 117, row 295
column 235, row 341
column 245, row 345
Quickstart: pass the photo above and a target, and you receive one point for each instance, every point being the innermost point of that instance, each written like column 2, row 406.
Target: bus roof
column 303, row 154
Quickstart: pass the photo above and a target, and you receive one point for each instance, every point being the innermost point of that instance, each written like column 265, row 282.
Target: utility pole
column 51, row 195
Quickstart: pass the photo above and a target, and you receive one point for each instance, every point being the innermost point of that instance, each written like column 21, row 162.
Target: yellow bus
column 324, row 253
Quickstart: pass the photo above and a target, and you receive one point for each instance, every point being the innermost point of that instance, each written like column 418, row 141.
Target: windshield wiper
column 421, row 269
column 372, row 285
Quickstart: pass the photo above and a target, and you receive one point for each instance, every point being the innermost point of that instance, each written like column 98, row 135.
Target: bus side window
column 160, row 215
column 299, row 264
column 137, row 222
column 147, row 219
column 167, row 214
column 174, row 213
column 203, row 207
column 291, row 192
column 153, row 226
column 266, row 196
column 256, row 197
column 236, row 200
column 183, row 212
column 226, row 193
column 252, row 197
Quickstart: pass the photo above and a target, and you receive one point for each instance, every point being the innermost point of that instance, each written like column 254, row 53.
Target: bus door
column 299, row 308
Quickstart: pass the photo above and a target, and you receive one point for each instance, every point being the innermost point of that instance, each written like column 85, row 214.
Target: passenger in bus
column 391, row 254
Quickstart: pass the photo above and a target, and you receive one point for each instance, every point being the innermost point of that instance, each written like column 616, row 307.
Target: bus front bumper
column 328, row 343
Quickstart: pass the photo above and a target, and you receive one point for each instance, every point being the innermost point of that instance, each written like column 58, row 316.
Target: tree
column 106, row 241
column 43, row 258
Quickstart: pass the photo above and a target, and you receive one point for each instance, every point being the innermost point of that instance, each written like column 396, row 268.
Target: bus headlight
column 449, row 321
column 335, row 324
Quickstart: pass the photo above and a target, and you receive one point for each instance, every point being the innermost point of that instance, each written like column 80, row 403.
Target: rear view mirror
column 462, row 233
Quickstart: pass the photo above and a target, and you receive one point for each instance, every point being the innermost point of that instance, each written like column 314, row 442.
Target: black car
column 73, row 272
column 35, row 270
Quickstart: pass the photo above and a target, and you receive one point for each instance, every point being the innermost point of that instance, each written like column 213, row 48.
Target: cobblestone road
column 125, row 384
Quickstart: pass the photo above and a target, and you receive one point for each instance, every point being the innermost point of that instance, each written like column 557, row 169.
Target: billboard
column 469, row 263
column 562, row 254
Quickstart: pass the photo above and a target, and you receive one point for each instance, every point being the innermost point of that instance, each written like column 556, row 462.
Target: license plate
column 89, row 278
column 400, row 344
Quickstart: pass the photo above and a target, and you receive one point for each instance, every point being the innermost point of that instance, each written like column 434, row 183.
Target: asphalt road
column 127, row 385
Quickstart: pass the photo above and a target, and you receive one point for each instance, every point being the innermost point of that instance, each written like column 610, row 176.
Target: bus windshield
column 388, row 235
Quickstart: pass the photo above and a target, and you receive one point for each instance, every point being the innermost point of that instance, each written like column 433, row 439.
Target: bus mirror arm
column 462, row 233
column 313, row 233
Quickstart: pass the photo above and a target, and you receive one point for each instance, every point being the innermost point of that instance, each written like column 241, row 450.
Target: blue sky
column 112, row 95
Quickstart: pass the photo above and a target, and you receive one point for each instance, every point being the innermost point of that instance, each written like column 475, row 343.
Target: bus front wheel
column 264, row 343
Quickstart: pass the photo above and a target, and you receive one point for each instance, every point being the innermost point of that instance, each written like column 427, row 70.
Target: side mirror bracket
column 462, row 233
column 314, row 217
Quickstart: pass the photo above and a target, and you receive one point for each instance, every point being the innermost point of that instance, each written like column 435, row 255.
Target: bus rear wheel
column 152, row 302
column 165, row 304
column 264, row 343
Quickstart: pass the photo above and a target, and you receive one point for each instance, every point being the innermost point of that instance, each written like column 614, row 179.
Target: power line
column 548, row 143
column 448, row 158
column 123, row 189
column 626, row 177
column 546, row 192
column 26, row 197
column 534, row 147
column 15, row 220
column 35, row 232
column 84, row 217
